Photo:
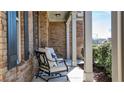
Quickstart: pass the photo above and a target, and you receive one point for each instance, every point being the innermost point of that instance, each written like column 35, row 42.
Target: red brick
column 2, row 65
column 57, row 37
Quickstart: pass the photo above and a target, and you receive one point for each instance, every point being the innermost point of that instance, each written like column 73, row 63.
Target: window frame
column 26, row 38
column 18, row 37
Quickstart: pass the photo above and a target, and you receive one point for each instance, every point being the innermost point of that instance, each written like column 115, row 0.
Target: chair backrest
column 48, row 56
column 51, row 55
column 41, row 49
column 42, row 60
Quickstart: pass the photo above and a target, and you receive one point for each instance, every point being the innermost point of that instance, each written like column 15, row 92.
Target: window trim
column 19, row 38
column 12, row 56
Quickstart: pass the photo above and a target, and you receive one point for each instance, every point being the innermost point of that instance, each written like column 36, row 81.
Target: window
column 12, row 39
column 13, row 36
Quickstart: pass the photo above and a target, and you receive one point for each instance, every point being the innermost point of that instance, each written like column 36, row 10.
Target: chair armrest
column 50, row 60
column 57, row 60
column 61, row 61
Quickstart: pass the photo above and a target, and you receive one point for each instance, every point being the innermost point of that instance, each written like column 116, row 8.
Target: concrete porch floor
column 75, row 74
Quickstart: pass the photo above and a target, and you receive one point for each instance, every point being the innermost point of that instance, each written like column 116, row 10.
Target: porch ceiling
column 55, row 16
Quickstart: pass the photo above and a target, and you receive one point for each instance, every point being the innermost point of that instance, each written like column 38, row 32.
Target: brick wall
column 22, row 34
column 23, row 71
column 57, row 38
column 79, row 36
column 35, row 38
column 80, row 42
column 3, row 45
column 36, row 29
column 44, row 24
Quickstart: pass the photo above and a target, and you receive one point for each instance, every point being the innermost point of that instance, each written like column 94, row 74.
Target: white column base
column 88, row 77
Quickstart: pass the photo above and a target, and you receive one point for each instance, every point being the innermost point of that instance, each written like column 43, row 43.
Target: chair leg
column 60, row 74
column 67, row 78
column 37, row 75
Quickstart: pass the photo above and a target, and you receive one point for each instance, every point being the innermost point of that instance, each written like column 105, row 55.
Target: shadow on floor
column 75, row 74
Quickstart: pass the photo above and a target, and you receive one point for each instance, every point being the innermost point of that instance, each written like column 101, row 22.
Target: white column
column 116, row 47
column 67, row 40
column 68, row 37
column 74, row 44
column 88, row 64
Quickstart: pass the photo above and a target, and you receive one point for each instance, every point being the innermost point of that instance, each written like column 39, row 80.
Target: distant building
column 110, row 39
column 98, row 41
column 101, row 41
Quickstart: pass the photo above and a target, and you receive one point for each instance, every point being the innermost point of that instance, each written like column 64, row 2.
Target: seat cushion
column 58, row 69
column 52, row 64
column 51, row 55
column 48, row 52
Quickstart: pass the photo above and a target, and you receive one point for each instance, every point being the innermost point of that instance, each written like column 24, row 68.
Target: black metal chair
column 49, row 68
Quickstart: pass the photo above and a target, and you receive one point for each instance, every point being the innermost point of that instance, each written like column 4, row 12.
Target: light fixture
column 58, row 14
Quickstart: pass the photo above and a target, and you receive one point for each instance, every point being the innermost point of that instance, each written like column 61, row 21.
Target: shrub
column 103, row 56
column 95, row 53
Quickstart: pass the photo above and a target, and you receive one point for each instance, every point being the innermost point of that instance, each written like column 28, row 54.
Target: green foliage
column 103, row 57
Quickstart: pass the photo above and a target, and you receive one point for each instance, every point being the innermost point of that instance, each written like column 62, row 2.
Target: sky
column 101, row 22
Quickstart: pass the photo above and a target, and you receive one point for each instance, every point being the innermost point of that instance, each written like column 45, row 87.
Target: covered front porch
column 68, row 33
